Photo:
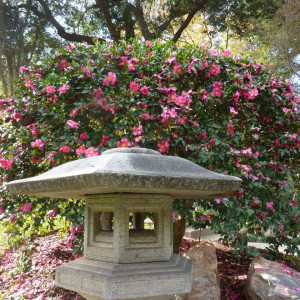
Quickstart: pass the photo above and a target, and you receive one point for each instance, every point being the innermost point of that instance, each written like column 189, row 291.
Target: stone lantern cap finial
column 128, row 170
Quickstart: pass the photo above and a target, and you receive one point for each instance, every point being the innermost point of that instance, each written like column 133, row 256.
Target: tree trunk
column 2, row 78
column 10, row 73
column 179, row 227
column 178, row 233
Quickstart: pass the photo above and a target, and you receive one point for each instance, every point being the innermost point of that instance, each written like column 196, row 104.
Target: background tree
column 23, row 38
column 281, row 35
column 27, row 24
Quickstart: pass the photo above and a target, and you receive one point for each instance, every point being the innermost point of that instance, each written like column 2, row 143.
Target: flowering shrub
column 228, row 114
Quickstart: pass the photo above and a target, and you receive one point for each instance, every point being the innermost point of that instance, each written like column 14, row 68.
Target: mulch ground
column 28, row 272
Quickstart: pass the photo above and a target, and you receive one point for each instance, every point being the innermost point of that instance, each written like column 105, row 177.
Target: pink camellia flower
column 26, row 207
column 132, row 64
column 63, row 64
column 12, row 218
column 64, row 149
column 80, row 150
column 143, row 105
column 218, row 201
column 83, row 136
column 110, row 79
column 17, row 116
column 73, row 124
column 213, row 52
column 50, row 89
column 23, row 69
column 230, row 128
column 78, row 229
column 72, row 229
column 129, row 47
column 37, row 144
column 104, row 140
column 163, row 146
column 177, row 69
column 74, row 112
column 217, row 92
column 63, row 89
column 36, row 160
column 148, row 43
column 181, row 121
column 138, row 139
column 252, row 94
column 124, row 143
column 145, row 90
column 246, row 151
column 270, row 204
column 91, row 151
column 255, row 203
column 233, row 111
column 52, row 212
column 137, row 130
column 134, row 87
column 69, row 244
column 98, row 93
column 236, row 96
column 172, row 113
column 6, row 163
column 226, row 53
column 28, row 83
column 180, row 101
column 70, row 47
column 145, row 116
column 217, row 84
column 291, row 203
column 172, row 96
column 212, row 143
column 1, row 210
column 215, row 70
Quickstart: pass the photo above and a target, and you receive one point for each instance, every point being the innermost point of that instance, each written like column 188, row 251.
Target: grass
column 3, row 239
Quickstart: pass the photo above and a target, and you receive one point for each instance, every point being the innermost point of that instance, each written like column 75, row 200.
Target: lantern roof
column 128, row 170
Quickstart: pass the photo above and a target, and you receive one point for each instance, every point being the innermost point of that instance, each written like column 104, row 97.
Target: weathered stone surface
column 121, row 262
column 129, row 170
column 206, row 281
column 101, row 280
column 268, row 280
column 122, row 245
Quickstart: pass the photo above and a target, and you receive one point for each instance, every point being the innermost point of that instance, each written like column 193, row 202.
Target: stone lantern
column 122, row 261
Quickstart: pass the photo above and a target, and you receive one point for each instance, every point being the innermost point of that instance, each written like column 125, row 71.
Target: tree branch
column 47, row 15
column 139, row 15
column 189, row 18
column 110, row 25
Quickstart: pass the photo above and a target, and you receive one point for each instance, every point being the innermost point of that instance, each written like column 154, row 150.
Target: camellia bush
column 228, row 114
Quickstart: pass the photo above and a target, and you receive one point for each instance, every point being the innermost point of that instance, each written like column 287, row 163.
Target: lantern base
column 96, row 280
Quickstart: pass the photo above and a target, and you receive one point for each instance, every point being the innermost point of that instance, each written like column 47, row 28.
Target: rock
column 206, row 281
column 272, row 281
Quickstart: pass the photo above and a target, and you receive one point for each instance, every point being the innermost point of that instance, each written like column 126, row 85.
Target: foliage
column 23, row 38
column 228, row 114
column 121, row 19
column 30, row 28
column 281, row 35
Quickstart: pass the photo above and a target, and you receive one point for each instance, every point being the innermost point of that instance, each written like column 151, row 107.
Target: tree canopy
column 32, row 27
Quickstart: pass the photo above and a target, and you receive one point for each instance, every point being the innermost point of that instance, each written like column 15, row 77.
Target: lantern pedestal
column 101, row 280
column 124, row 257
